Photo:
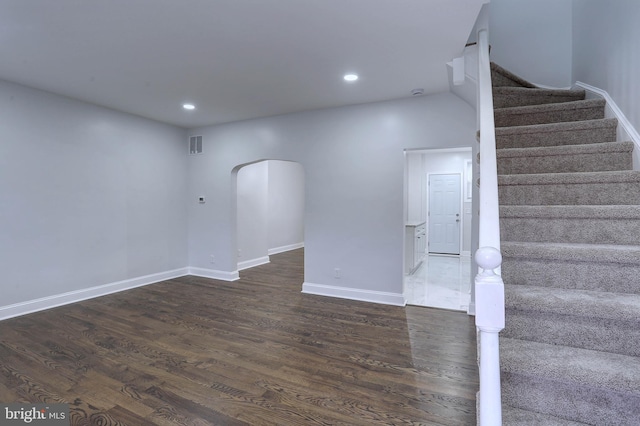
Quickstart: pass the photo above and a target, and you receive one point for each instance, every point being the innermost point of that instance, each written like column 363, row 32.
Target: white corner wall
column 605, row 51
column 414, row 169
column 286, row 206
column 533, row 39
column 353, row 159
column 253, row 211
column 90, row 197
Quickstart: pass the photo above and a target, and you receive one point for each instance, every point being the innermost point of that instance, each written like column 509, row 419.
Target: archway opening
column 269, row 213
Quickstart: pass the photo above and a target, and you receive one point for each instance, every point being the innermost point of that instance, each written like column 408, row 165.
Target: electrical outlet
column 337, row 273
column 239, row 252
column 212, row 260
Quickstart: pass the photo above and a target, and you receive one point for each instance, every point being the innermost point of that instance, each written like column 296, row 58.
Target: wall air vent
column 195, row 145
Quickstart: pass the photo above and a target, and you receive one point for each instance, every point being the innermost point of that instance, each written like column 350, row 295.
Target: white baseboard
column 282, row 249
column 395, row 299
column 56, row 300
column 471, row 310
column 253, row 262
column 214, row 274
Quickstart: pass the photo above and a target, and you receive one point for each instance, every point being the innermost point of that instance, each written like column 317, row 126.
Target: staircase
column 570, row 231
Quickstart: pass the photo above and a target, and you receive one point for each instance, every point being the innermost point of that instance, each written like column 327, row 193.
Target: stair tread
column 517, row 416
column 570, row 178
column 525, row 109
column 495, row 68
column 557, row 127
column 612, row 253
column 538, row 91
column 587, row 303
column 571, row 212
column 567, row 364
column 549, row 151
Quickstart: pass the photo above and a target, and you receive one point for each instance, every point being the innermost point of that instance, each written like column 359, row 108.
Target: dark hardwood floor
column 195, row 351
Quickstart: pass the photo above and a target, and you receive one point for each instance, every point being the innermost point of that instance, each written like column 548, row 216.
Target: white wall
column 606, row 53
column 354, row 172
column 89, row 196
column 286, row 205
column 533, row 39
column 253, row 211
column 416, row 210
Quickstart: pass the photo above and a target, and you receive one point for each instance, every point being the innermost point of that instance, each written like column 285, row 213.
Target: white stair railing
column 489, row 287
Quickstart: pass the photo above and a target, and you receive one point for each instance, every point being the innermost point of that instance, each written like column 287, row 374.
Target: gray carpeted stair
column 617, row 187
column 570, row 231
column 602, row 321
column 501, row 77
column 591, row 387
column 571, row 133
column 571, row 266
column 591, row 224
column 550, row 113
column 595, row 157
column 514, row 416
column 505, row 97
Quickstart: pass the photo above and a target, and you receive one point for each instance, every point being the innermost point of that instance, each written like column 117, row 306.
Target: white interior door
column 444, row 213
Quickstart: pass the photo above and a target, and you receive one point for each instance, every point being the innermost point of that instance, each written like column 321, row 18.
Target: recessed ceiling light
column 189, row 106
column 351, row 77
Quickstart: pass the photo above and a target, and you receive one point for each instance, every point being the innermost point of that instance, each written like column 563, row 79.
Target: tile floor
column 440, row 282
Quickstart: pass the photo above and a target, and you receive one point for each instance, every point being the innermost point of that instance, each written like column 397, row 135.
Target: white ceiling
column 234, row 59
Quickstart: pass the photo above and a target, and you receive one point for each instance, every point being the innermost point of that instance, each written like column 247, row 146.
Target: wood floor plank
column 196, row 351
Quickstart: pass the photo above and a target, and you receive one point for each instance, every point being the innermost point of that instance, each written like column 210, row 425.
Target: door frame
column 461, row 209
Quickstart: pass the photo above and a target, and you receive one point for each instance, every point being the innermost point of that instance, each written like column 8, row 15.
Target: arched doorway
column 269, row 210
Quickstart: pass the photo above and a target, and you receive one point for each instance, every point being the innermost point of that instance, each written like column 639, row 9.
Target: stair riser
column 499, row 80
column 504, row 77
column 578, row 402
column 574, row 137
column 570, row 230
column 592, row 162
column 503, row 100
column 580, row 332
column 609, row 193
column 509, row 118
column 598, row 276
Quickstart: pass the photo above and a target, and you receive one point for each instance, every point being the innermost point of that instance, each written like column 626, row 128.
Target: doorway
column 269, row 210
column 444, row 213
column 439, row 199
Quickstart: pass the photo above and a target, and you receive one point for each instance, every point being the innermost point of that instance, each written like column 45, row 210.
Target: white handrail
column 488, row 283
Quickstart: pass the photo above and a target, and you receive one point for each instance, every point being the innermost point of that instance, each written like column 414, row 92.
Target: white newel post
column 489, row 321
column 488, row 283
